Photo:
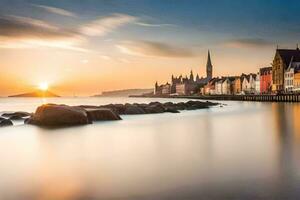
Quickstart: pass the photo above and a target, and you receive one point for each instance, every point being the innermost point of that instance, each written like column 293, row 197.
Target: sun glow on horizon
column 43, row 86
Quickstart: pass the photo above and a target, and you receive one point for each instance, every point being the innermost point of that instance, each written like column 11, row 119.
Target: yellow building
column 297, row 82
column 281, row 62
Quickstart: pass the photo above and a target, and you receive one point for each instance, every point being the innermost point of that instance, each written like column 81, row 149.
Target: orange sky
column 84, row 49
column 82, row 73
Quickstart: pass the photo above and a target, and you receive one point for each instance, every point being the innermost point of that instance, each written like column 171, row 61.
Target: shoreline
column 259, row 98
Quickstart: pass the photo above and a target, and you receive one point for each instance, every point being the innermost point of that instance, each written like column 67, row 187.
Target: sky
column 86, row 47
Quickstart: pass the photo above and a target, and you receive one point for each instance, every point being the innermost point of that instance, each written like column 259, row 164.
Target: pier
column 262, row 98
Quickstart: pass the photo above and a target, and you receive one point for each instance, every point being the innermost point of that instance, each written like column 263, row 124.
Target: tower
column 191, row 76
column 209, row 67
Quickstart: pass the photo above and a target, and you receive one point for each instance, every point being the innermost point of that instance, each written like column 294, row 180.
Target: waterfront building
column 296, row 88
column 289, row 74
column 248, row 83
column 218, row 86
column 281, row 62
column 157, row 89
column 237, row 85
column 186, row 85
column 257, row 83
column 181, row 89
column 209, row 88
column 166, row 89
column 265, row 80
column 289, row 80
column 226, row 86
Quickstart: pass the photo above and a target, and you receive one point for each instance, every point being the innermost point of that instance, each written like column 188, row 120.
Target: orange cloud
column 104, row 25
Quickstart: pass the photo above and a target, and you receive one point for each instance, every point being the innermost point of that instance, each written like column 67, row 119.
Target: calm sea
column 245, row 150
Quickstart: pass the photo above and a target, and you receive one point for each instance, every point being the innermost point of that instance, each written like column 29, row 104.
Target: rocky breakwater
column 155, row 107
column 64, row 115
column 6, row 118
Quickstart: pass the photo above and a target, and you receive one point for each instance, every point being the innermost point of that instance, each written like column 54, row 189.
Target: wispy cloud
column 104, row 25
column 154, row 25
column 248, row 43
column 23, row 32
column 55, row 10
column 154, row 49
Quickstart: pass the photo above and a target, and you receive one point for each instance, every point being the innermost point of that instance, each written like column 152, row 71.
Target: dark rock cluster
column 153, row 107
column 6, row 118
column 64, row 115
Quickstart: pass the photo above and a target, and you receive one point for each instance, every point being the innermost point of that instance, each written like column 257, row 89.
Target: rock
column 168, row 104
column 58, row 115
column 155, row 108
column 118, row 108
column 180, row 106
column 102, row 114
column 133, row 109
column 5, row 122
column 17, row 114
column 171, row 110
column 15, row 117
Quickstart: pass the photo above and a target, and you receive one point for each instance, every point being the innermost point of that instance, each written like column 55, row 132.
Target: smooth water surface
column 244, row 150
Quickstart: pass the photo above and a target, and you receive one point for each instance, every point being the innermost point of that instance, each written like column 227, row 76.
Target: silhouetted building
column 186, row 85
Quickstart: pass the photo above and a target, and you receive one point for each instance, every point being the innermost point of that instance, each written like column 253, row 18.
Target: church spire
column 209, row 67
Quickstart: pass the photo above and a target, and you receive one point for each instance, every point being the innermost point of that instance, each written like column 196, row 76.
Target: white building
column 218, row 87
column 226, row 86
column 257, row 83
column 289, row 76
column 248, row 83
column 289, row 79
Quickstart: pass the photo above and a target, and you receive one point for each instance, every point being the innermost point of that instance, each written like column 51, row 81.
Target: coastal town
column 281, row 78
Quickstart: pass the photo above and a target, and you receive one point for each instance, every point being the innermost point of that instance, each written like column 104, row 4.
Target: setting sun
column 43, row 86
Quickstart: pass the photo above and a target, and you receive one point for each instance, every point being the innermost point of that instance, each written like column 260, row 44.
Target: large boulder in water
column 100, row 114
column 133, row 109
column 58, row 115
column 5, row 122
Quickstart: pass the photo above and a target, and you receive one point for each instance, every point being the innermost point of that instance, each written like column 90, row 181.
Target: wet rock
column 17, row 114
column 133, row 109
column 58, row 115
column 155, row 107
column 171, row 110
column 180, row 106
column 5, row 122
column 101, row 114
column 118, row 108
column 15, row 117
column 193, row 105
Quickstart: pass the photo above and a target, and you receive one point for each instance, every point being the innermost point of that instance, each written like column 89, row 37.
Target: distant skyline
column 86, row 47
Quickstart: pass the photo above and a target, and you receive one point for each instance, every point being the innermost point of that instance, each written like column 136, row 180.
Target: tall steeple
column 191, row 76
column 209, row 67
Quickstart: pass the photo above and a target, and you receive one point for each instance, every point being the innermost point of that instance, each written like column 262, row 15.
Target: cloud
column 104, row 25
column 23, row 32
column 55, row 10
column 153, row 25
column 154, row 49
column 248, row 43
